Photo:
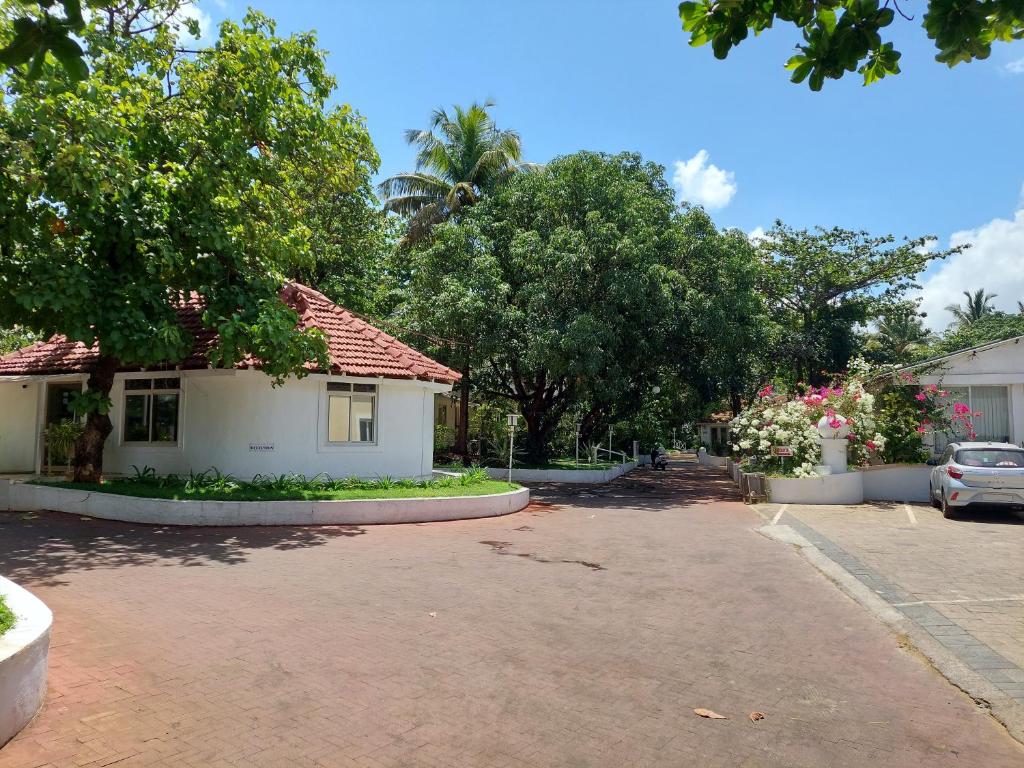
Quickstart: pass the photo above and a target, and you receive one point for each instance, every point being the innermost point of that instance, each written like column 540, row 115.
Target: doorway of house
column 58, row 409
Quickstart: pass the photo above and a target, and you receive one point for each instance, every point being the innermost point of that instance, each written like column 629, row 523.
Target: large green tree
column 562, row 281
column 462, row 157
column 993, row 326
column 823, row 284
column 163, row 173
column 842, row 36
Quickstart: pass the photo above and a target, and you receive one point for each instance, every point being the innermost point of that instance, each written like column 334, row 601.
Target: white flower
column 744, row 444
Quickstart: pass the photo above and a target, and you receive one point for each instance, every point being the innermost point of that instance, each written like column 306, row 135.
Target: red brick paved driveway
column 582, row 634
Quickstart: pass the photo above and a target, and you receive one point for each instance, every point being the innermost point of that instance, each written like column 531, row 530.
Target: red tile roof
column 354, row 346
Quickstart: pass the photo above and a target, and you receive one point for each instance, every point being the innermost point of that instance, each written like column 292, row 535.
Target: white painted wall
column 24, row 654
column 221, row 413
column 18, row 404
column 999, row 365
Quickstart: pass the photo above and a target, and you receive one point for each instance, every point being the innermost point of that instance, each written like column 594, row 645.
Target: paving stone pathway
column 581, row 632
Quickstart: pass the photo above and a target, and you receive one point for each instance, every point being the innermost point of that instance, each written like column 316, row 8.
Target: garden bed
column 446, row 499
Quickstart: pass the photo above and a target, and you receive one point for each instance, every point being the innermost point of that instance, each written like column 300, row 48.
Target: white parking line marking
column 780, row 513
column 910, row 514
column 962, row 600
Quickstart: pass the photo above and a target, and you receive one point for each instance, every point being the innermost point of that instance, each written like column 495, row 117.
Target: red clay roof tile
column 354, row 346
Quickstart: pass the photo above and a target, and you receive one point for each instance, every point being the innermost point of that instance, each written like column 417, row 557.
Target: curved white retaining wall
column 562, row 475
column 703, row 457
column 132, row 509
column 23, row 660
column 894, row 482
column 847, row 488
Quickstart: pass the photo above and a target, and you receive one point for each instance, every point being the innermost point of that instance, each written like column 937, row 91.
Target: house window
column 994, row 405
column 151, row 409
column 351, row 412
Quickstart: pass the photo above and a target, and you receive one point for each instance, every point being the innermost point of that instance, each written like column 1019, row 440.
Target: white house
column 371, row 414
column 990, row 379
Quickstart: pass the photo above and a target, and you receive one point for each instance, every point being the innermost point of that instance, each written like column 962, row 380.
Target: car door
column 939, row 470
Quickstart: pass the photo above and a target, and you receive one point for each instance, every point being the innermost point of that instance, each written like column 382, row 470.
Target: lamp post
column 513, row 419
column 578, row 425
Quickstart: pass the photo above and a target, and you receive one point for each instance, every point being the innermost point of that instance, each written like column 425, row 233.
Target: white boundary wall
column 895, row 482
column 562, row 475
column 23, row 660
column 25, row 497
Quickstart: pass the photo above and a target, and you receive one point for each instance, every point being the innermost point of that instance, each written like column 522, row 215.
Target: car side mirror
column 932, row 462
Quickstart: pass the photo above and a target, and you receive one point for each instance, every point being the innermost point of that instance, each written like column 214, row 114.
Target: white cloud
column 703, row 183
column 757, row 233
column 207, row 29
column 993, row 262
column 1016, row 67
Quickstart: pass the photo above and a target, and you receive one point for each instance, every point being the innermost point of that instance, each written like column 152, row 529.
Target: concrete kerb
column 588, row 476
column 25, row 497
column 24, row 653
column 984, row 693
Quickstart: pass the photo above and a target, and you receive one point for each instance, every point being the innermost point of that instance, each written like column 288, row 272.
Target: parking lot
column 959, row 580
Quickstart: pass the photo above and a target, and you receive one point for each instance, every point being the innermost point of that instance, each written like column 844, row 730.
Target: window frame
column 151, row 393
column 1011, row 437
column 347, row 390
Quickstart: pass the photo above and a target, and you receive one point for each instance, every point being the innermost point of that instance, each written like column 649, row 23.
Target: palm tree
column 978, row 305
column 461, row 156
column 1020, row 307
column 901, row 333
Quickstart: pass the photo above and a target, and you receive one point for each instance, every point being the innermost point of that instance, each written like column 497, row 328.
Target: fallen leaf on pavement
column 755, row 716
column 432, row 614
column 709, row 714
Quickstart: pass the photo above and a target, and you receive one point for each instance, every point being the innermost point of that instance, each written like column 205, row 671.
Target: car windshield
column 990, row 457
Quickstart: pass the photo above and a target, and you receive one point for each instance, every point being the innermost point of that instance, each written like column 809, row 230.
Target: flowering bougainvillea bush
column 845, row 409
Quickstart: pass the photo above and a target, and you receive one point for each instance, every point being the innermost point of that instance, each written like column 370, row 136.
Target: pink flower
column 835, row 423
column 851, row 437
column 921, row 429
column 932, row 388
column 871, row 445
column 766, row 392
column 943, row 393
column 921, row 396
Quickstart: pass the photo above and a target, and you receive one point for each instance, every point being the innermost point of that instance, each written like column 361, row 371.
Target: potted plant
column 60, row 442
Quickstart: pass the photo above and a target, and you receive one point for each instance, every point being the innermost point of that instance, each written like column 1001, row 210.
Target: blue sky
column 932, row 151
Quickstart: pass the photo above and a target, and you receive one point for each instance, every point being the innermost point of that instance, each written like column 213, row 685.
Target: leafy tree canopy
column 822, row 284
column 842, row 36
column 561, row 282
column 993, row 326
column 161, row 174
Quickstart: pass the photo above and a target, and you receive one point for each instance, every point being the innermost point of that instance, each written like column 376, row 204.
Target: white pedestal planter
column 847, row 488
column 833, row 454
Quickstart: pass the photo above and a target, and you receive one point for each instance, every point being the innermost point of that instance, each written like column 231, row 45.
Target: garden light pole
column 578, row 425
column 513, row 419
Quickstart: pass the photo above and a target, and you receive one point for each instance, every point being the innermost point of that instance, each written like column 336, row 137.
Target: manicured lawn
column 7, row 618
column 246, row 492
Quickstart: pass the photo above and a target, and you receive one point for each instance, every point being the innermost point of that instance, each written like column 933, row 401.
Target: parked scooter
column 659, row 460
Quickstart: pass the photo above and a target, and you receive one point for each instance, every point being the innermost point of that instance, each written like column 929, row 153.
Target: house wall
column 223, row 413
column 1001, row 365
column 18, row 406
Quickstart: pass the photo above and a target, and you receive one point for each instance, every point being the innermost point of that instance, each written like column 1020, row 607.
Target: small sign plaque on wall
column 785, row 451
column 261, row 447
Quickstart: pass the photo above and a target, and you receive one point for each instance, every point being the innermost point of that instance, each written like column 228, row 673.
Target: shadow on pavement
column 682, row 484
column 38, row 548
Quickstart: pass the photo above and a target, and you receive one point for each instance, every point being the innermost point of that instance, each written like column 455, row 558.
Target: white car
column 977, row 473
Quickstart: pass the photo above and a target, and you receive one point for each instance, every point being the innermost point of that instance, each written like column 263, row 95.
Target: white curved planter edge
column 893, row 482
column 562, row 475
column 23, row 659
column 132, row 509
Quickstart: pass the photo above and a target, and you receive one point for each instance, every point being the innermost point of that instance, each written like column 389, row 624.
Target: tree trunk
column 735, row 402
column 89, row 448
column 462, row 436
